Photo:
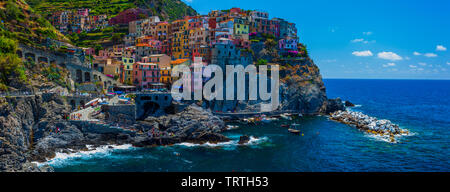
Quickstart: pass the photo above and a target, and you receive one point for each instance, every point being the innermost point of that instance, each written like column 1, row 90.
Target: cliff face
column 302, row 88
column 19, row 119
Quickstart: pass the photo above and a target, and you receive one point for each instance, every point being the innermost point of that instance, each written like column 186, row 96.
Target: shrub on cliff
column 12, row 12
column 11, row 65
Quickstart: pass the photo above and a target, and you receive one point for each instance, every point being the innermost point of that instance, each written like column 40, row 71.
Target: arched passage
column 30, row 56
column 73, row 104
column 87, row 77
column 149, row 109
column 19, row 53
column 79, row 76
column 43, row 59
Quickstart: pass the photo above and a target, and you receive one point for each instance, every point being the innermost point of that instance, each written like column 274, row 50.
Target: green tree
column 11, row 67
column 117, row 38
column 7, row 45
column 261, row 62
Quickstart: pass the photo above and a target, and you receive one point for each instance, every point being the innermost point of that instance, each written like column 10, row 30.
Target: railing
column 16, row 94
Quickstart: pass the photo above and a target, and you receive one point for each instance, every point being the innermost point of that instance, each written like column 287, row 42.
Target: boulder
column 333, row 105
column 244, row 139
column 349, row 104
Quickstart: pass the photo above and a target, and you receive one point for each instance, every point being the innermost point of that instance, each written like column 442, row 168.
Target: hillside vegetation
column 165, row 9
column 20, row 24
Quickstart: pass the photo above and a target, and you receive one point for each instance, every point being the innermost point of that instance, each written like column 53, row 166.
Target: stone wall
column 120, row 113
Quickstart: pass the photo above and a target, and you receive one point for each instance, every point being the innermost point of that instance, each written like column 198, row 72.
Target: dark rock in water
column 334, row 105
column 349, row 104
column 211, row 137
column 194, row 124
column 243, row 139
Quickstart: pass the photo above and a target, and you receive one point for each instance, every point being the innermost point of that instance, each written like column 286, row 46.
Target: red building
column 146, row 75
column 128, row 15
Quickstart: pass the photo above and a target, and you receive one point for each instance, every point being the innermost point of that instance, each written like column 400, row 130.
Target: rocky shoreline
column 371, row 125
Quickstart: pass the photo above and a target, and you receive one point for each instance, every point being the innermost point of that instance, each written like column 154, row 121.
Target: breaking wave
column 62, row 158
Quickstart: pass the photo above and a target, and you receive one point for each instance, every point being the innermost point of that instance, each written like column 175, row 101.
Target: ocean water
column 422, row 107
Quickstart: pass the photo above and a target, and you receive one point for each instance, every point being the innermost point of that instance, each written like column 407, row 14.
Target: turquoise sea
column 421, row 106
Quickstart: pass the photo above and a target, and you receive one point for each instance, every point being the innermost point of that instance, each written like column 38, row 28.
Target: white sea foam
column 386, row 138
column 252, row 141
column 62, row 158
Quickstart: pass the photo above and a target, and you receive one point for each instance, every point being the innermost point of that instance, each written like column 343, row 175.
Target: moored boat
column 285, row 116
column 231, row 127
column 294, row 131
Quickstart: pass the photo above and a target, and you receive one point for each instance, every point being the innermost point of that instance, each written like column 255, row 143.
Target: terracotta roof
column 178, row 61
column 143, row 45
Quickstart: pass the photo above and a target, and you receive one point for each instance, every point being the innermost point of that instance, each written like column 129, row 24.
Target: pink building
column 146, row 75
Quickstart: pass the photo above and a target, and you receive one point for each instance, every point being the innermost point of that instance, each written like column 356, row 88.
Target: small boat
column 284, row 125
column 294, row 131
column 284, row 116
column 266, row 120
column 231, row 127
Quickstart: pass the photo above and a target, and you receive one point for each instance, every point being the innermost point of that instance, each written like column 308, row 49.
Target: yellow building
column 166, row 77
column 127, row 70
column 180, row 39
column 241, row 26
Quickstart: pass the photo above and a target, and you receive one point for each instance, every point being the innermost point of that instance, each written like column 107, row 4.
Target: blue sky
column 382, row 39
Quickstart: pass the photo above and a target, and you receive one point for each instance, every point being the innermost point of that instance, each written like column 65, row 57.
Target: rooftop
column 179, row 61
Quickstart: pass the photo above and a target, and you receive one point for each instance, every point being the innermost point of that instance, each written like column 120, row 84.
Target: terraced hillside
column 166, row 9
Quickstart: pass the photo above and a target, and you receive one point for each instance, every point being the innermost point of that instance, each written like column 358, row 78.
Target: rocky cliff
column 302, row 88
column 22, row 121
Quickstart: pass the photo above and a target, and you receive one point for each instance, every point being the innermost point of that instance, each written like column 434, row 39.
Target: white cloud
column 407, row 58
column 362, row 53
column 368, row 33
column 430, row 55
column 363, row 41
column 441, row 48
column 412, row 66
column 389, row 56
column 423, row 64
column 417, row 53
column 389, row 65
column 357, row 40
column 448, row 63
